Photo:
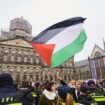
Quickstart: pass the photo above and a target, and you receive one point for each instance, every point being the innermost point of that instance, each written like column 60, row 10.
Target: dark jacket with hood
column 8, row 94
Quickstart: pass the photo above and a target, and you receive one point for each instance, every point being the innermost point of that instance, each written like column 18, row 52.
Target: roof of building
column 96, row 46
column 21, row 30
column 26, row 38
column 81, row 63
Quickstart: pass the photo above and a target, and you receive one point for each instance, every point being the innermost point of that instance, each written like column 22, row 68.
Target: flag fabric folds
column 60, row 41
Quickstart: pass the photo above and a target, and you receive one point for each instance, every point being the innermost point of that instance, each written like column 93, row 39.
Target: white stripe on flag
column 65, row 37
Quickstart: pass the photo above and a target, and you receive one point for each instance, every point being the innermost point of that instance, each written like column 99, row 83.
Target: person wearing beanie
column 49, row 96
column 65, row 96
column 38, row 92
column 92, row 85
column 85, row 97
column 6, row 83
column 26, row 93
column 8, row 94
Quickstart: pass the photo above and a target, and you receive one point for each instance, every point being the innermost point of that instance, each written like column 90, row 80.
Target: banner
column 93, row 69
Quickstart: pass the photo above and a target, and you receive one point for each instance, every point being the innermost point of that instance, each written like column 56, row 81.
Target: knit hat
column 85, row 89
column 5, row 79
column 37, row 84
column 90, row 82
column 63, row 90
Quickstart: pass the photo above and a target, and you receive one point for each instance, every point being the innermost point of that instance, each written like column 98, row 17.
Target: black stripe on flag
column 53, row 30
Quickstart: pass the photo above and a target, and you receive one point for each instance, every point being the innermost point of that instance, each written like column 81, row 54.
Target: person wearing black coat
column 84, row 97
column 73, row 90
column 8, row 94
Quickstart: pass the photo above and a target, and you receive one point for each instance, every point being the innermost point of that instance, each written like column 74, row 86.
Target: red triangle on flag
column 45, row 51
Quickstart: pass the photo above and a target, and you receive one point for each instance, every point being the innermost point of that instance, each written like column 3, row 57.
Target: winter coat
column 46, row 101
column 26, row 96
column 8, row 94
column 48, row 98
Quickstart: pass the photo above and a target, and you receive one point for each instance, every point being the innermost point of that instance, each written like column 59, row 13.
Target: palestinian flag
column 60, row 41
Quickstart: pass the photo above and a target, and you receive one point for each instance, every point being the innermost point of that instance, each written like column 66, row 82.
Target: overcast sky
column 43, row 13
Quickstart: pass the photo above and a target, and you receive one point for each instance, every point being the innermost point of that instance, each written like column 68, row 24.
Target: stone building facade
column 19, row 58
column 97, row 60
column 83, row 70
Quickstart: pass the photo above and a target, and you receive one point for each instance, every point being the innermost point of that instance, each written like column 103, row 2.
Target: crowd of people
column 75, row 92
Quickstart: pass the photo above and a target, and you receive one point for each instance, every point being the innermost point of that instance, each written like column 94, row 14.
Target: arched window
column 97, row 54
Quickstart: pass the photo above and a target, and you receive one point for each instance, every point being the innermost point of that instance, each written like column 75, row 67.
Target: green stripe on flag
column 69, row 50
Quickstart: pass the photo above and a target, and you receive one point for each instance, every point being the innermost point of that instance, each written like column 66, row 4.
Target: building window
column 101, row 62
column 19, row 52
column 5, row 70
column 45, row 64
column 24, row 77
column 31, row 60
column 37, row 60
column 37, row 77
column 6, row 51
column 13, row 51
column 25, row 59
column 97, row 54
column 18, row 78
column 31, row 77
column 5, row 58
column 31, row 53
column 25, row 53
column 12, row 58
column 19, row 59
